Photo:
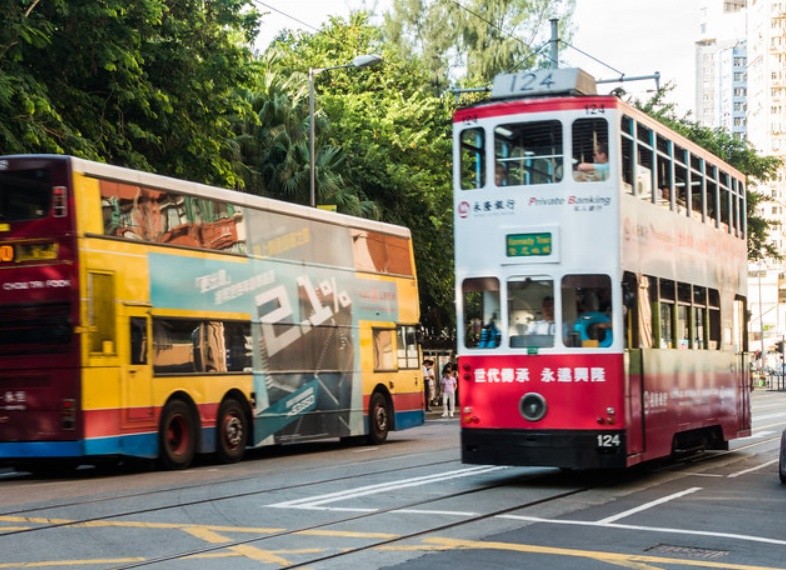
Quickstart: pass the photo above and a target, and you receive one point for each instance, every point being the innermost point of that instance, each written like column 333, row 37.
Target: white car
column 782, row 462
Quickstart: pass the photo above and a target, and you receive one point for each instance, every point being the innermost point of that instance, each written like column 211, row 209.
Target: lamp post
column 359, row 61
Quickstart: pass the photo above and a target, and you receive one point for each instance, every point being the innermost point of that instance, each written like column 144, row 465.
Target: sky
column 630, row 37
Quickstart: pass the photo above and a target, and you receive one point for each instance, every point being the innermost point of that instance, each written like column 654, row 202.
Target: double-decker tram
column 150, row 317
column 600, row 281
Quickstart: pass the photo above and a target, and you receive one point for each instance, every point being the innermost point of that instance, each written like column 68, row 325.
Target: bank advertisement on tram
column 600, row 281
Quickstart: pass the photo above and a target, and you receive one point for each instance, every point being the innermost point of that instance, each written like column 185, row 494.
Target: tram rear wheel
column 177, row 436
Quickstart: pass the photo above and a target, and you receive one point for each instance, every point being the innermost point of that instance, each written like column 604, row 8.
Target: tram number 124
column 608, row 440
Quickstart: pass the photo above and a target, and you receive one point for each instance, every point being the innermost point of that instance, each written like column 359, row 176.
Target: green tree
column 734, row 150
column 151, row 84
column 387, row 132
column 472, row 41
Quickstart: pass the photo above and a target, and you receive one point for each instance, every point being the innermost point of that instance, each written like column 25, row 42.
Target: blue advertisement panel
column 304, row 329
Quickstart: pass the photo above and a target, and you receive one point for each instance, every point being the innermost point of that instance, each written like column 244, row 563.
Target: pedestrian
column 449, row 386
column 429, row 384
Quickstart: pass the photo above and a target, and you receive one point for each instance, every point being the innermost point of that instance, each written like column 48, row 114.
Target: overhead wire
column 476, row 15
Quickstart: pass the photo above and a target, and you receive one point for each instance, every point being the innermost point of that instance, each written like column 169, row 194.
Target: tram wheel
column 177, row 435
column 231, row 431
column 378, row 419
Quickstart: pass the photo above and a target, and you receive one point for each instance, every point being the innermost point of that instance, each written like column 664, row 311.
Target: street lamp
column 359, row 61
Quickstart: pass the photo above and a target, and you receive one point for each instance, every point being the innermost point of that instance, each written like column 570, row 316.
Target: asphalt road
column 408, row 503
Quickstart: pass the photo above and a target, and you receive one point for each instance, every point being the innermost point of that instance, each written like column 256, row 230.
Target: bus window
column 531, row 312
column 586, row 311
column 384, row 354
column 472, row 168
column 407, row 347
column 530, row 153
column 138, row 335
column 480, row 305
column 26, row 195
column 101, row 313
column 590, row 150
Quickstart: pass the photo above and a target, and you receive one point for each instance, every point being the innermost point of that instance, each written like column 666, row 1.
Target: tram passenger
column 500, row 175
column 545, row 325
column 599, row 167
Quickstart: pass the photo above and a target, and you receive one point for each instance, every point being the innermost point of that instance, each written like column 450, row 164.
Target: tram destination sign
column 539, row 82
column 528, row 245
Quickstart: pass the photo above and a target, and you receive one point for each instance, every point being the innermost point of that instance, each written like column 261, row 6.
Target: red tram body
column 600, row 281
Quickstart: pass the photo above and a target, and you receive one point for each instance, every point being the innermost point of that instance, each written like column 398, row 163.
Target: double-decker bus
column 150, row 317
column 600, row 281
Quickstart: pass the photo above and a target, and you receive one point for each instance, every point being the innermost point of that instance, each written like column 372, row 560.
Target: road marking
column 752, row 469
column 649, row 505
column 616, row 558
column 319, row 500
column 712, row 534
column 757, row 435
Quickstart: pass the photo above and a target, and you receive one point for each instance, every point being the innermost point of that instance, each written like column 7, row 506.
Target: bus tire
column 177, row 436
column 231, row 431
column 378, row 419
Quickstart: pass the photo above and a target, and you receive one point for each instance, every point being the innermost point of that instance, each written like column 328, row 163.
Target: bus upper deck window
column 528, row 153
column 472, row 167
column 590, row 150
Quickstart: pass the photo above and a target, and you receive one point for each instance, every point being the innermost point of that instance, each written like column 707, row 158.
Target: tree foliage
column 470, row 42
column 734, row 150
column 151, row 84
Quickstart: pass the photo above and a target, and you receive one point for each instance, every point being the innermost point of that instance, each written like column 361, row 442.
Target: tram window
column 699, row 317
column 586, row 311
column 713, row 302
column 627, row 154
column 481, row 308
column 725, row 200
column 683, row 315
column 531, row 312
column 530, row 153
column 590, row 150
column 472, row 167
column 666, row 314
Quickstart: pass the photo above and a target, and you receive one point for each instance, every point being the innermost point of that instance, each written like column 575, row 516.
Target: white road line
column 311, row 502
column 424, row 512
column 649, row 505
column 752, row 469
column 744, row 537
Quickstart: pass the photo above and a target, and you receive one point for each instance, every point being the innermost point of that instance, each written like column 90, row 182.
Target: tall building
column 741, row 86
column 766, row 36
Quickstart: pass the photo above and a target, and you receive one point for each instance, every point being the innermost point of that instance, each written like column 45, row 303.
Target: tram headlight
column 533, row 406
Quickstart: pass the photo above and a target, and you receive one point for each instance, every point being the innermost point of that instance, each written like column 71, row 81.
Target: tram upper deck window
column 590, row 150
column 472, row 167
column 528, row 153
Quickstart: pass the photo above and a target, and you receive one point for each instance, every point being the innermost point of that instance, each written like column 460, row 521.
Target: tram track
column 260, row 539
column 555, row 486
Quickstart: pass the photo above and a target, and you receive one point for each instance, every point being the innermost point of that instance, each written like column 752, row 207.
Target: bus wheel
column 231, row 431
column 177, row 435
column 378, row 419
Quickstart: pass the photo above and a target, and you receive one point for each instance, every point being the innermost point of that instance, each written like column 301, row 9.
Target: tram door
column 634, row 382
